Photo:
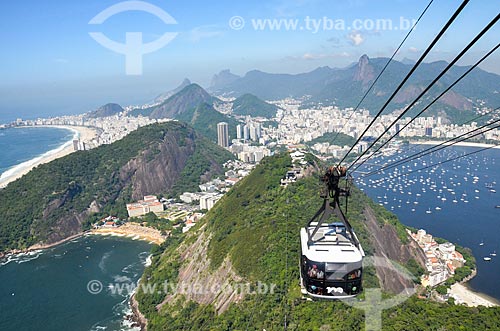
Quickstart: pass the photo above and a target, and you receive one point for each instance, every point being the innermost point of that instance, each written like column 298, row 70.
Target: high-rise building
column 246, row 132
column 222, row 134
column 238, row 131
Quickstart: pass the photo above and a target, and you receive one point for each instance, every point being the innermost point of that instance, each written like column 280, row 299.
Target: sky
column 51, row 65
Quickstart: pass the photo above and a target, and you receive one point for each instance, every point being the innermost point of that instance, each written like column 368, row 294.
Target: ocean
column 19, row 146
column 455, row 201
column 47, row 290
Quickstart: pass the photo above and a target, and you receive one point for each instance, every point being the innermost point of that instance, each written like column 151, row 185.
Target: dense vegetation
column 204, row 119
column 332, row 138
column 51, row 199
column 249, row 104
column 256, row 225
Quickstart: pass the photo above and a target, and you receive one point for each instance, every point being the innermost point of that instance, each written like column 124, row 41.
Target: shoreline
column 17, row 171
column 130, row 230
column 463, row 294
column 133, row 231
column 460, row 144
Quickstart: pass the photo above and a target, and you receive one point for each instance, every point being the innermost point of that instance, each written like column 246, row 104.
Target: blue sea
column 20, row 145
column 48, row 290
column 455, row 201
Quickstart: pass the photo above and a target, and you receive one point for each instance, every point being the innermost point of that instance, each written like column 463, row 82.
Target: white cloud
column 413, row 49
column 356, row 37
column 204, row 32
column 313, row 56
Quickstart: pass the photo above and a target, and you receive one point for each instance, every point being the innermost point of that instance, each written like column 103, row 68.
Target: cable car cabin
column 331, row 261
column 331, row 255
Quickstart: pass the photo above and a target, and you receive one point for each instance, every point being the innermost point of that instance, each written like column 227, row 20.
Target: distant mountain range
column 345, row 87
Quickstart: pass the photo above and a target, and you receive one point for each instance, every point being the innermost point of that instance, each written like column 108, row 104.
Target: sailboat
column 428, row 211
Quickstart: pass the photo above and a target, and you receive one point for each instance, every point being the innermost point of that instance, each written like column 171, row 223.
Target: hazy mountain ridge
column 164, row 96
column 345, row 87
column 107, row 110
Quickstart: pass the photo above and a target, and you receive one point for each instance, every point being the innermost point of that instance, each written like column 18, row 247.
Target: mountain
column 193, row 105
column 164, row 96
column 345, row 87
column 222, row 79
column 249, row 104
column 58, row 199
column 250, row 238
column 204, row 118
column 189, row 97
column 107, row 110
column 276, row 86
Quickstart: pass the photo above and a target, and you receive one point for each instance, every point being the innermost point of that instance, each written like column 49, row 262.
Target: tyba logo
column 134, row 48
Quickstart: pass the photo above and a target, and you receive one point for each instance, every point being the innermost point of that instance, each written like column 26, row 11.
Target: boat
column 481, row 243
column 428, row 211
column 497, row 206
column 487, row 258
column 494, row 253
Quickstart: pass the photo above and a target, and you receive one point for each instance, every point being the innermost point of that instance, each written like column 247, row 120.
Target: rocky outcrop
column 157, row 170
column 139, row 319
column 364, row 71
column 387, row 245
column 202, row 285
column 456, row 101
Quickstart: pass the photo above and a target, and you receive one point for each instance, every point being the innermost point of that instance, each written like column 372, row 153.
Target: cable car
column 331, row 255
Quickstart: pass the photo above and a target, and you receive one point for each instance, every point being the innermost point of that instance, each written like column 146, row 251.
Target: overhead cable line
column 446, row 161
column 412, row 70
column 433, row 149
column 380, row 74
column 435, row 99
column 487, row 113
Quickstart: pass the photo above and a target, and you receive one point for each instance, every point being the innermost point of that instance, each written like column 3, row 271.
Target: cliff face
column 55, row 200
column 387, row 245
column 364, row 71
column 158, row 168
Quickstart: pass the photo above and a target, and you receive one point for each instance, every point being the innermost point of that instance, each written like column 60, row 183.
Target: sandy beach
column 85, row 134
column 133, row 230
column 464, row 295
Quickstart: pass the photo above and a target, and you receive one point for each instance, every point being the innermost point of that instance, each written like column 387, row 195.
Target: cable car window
column 315, row 270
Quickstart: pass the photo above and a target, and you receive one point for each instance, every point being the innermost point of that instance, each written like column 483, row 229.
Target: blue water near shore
column 19, row 145
column 47, row 290
column 455, row 201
